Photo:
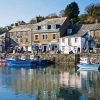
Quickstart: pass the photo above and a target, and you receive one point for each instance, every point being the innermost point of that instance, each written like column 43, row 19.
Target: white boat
column 86, row 64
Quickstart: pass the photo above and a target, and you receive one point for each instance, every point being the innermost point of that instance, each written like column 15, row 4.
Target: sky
column 12, row 11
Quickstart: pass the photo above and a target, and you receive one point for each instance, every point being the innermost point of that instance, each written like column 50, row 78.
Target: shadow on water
column 69, row 93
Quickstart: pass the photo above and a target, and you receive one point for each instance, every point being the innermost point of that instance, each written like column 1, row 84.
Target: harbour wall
column 68, row 59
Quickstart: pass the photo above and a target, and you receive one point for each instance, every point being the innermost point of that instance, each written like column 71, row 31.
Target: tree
column 2, row 30
column 32, row 21
column 82, row 19
column 72, row 11
column 61, row 13
column 93, row 11
column 52, row 15
column 90, row 9
column 39, row 18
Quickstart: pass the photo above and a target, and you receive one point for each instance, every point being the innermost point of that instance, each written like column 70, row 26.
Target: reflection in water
column 51, row 83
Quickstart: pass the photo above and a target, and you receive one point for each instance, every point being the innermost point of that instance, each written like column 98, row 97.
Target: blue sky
column 16, row 10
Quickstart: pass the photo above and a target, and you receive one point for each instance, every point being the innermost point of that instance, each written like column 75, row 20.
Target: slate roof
column 51, row 21
column 22, row 28
column 80, row 30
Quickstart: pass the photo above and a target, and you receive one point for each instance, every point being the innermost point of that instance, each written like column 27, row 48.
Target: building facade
column 20, row 36
column 82, row 37
column 46, row 34
column 71, row 44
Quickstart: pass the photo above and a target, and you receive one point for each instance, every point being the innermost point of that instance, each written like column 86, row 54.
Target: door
column 45, row 48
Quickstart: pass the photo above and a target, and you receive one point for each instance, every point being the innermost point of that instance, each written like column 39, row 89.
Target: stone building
column 46, row 34
column 20, row 36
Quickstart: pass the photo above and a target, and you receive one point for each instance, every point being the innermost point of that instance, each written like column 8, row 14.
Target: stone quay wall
column 68, row 59
column 60, row 58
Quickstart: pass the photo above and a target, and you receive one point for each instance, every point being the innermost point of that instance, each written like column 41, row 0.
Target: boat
column 3, row 61
column 37, row 61
column 12, row 62
column 87, row 64
column 18, row 62
column 42, row 62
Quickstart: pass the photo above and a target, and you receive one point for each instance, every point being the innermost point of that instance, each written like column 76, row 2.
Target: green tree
column 5, row 29
column 90, row 9
column 72, row 11
column 39, row 18
column 93, row 11
column 82, row 19
column 61, row 13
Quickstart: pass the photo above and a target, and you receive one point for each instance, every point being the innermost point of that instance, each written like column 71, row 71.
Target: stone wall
column 68, row 59
column 60, row 58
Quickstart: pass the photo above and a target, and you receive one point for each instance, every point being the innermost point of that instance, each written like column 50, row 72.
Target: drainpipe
column 31, row 42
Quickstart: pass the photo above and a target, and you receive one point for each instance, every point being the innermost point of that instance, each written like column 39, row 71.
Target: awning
column 40, row 46
column 33, row 46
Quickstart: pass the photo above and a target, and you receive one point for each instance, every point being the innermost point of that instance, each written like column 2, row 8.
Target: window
column 43, row 27
column 26, row 34
column 45, row 37
column 16, row 40
column 36, row 37
column 16, row 33
column 69, row 41
column 57, row 26
column 69, row 31
column 76, row 39
column 39, row 27
column 54, row 36
column 63, row 40
column 26, row 39
column 63, row 48
column 49, row 27
column 21, row 40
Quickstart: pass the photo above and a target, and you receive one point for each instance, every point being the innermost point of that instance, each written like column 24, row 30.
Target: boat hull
column 25, row 63
column 19, row 63
column 88, row 66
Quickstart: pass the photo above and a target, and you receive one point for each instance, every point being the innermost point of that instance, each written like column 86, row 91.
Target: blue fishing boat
column 19, row 63
column 29, row 63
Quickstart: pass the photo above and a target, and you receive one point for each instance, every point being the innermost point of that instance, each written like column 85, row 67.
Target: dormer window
column 49, row 27
column 69, row 31
column 39, row 27
column 43, row 27
column 57, row 26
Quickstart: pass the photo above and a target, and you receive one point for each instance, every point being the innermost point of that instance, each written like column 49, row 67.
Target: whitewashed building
column 71, row 44
column 78, row 39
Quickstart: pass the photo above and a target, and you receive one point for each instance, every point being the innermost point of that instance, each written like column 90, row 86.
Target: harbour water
column 50, row 83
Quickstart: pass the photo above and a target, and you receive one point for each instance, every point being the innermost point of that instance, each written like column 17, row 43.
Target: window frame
column 35, row 37
column 45, row 37
column 53, row 36
column 76, row 39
